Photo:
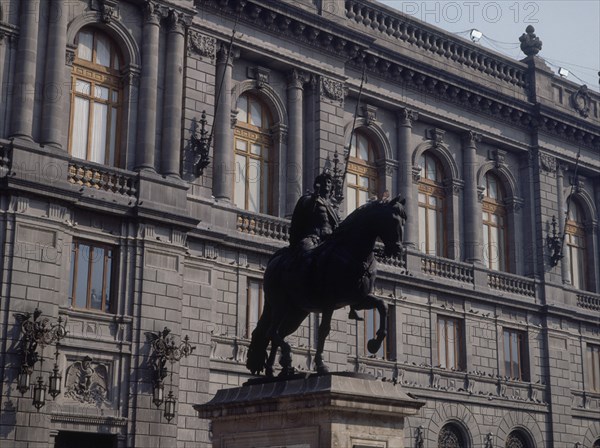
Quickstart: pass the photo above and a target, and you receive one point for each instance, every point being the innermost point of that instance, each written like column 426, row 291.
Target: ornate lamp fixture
column 165, row 349
column 555, row 243
column 201, row 146
column 36, row 334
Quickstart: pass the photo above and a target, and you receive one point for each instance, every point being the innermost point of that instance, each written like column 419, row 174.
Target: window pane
column 116, row 62
column 239, row 193
column 107, row 284
column 442, row 343
column 255, row 149
column 113, row 136
column 72, row 278
column 101, row 93
column 254, row 306
column 97, row 278
column 98, row 154
column 255, row 113
column 507, row 369
column 241, row 145
column 84, row 46
column 422, row 229
column 363, row 148
column 115, row 96
column 431, row 169
column 364, row 181
column 351, row 204
column 83, row 260
column 515, row 355
column 363, row 197
column 432, row 231
column 451, row 344
column 81, row 116
column 351, row 179
column 493, row 248
column 254, row 184
column 102, row 50
column 243, row 109
column 82, row 87
column 353, row 147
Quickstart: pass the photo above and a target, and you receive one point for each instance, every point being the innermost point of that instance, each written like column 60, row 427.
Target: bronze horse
column 339, row 272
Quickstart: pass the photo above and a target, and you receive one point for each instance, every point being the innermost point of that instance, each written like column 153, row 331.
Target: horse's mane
column 358, row 214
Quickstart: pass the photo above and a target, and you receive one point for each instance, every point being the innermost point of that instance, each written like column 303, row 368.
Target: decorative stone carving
column 580, row 101
column 530, row 43
column 498, row 156
column 108, row 9
column 87, row 382
column 480, row 193
column 419, row 437
column 548, row 162
column 211, row 252
column 471, row 138
column 260, row 74
column 70, row 55
column 153, row 12
column 202, row 45
column 488, row 441
column 178, row 22
column 369, row 113
column 449, row 437
column 515, row 440
column 436, row 136
column 407, row 116
column 297, row 78
column 332, row 89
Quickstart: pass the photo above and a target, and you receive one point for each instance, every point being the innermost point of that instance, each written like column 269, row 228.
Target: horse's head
column 392, row 225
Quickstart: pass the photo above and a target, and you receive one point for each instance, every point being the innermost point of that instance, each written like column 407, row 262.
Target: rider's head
column 323, row 184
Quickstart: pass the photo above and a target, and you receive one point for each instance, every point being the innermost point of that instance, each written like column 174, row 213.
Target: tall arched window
column 495, row 248
column 575, row 239
column 96, row 97
column 361, row 179
column 451, row 437
column 516, row 439
column 253, row 143
column 431, row 206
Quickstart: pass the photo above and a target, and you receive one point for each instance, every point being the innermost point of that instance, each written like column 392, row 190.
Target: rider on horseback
column 315, row 218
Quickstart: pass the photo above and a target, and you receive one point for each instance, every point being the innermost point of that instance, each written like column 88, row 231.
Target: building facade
column 145, row 265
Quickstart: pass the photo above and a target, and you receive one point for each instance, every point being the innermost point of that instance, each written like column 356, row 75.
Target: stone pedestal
column 315, row 411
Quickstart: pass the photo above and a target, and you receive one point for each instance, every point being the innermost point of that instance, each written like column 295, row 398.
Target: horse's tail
column 257, row 352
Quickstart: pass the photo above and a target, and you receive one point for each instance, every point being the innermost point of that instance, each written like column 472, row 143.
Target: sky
column 569, row 29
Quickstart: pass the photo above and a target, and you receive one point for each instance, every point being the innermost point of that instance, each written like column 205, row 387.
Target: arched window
column 596, row 444
column 575, row 239
column 451, row 437
column 252, row 143
column 495, row 248
column 517, row 439
column 361, row 179
column 431, row 206
column 96, row 97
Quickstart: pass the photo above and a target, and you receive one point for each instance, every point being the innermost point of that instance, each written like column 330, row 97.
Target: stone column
column 54, row 87
column 406, row 188
column 293, row 170
column 565, row 263
column 147, row 105
column 473, row 223
column 173, row 102
column 25, row 68
column 223, row 165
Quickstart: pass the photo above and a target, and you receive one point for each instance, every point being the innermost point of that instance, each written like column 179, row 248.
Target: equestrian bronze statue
column 326, row 267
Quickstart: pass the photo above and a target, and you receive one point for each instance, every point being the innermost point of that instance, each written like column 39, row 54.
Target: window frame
column 249, row 304
column 523, row 373
column 358, row 167
column 592, row 353
column 251, row 134
column 495, row 207
column 432, row 188
column 110, row 253
column 98, row 75
column 459, row 346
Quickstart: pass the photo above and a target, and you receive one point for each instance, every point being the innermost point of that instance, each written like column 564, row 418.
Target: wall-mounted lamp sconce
column 36, row 333
column 475, row 35
column 563, row 72
column 201, row 146
column 554, row 242
column 165, row 349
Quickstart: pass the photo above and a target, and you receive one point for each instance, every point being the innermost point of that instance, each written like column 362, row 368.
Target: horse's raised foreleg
column 271, row 360
column 324, row 329
column 370, row 302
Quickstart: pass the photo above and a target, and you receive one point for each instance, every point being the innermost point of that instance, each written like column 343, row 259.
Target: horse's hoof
column 287, row 371
column 269, row 373
column 373, row 345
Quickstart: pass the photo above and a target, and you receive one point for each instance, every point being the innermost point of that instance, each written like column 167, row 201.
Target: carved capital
column 70, row 55
column 260, row 74
column 416, row 173
column 178, row 22
column 153, row 12
column 201, row 45
column 453, row 186
column 224, row 55
column 480, row 193
column 514, row 204
column 548, row 162
column 471, row 138
column 332, row 89
column 407, row 116
column 296, row 79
